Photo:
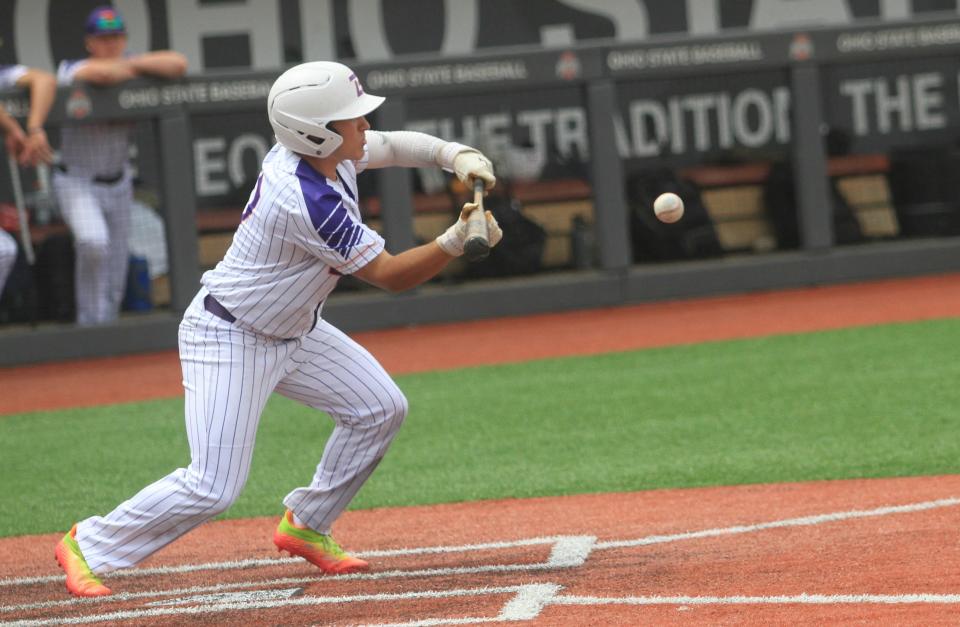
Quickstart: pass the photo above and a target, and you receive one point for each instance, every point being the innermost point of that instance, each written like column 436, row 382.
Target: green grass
column 868, row 402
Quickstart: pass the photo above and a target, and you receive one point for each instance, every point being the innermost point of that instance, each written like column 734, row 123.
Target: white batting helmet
column 307, row 97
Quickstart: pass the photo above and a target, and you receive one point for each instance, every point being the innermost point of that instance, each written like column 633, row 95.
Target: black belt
column 212, row 305
column 105, row 179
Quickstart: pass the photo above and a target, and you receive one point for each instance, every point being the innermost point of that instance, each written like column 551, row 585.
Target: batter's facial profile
column 353, row 133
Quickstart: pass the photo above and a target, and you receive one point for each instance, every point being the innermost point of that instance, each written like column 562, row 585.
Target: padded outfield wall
column 574, row 128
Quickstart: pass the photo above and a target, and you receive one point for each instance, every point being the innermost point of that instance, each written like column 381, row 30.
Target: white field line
column 779, row 524
column 807, row 599
column 527, row 605
column 528, row 602
column 264, row 562
column 568, row 552
column 270, row 604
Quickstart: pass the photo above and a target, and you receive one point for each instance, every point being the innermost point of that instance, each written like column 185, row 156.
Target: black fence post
column 606, row 178
column 179, row 207
column 810, row 177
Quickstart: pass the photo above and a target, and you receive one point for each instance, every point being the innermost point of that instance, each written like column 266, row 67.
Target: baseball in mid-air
column 668, row 207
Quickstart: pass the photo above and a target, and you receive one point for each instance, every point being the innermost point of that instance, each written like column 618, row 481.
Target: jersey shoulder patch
column 328, row 215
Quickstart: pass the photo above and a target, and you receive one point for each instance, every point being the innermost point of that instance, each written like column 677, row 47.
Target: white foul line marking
column 808, row 599
column 778, row 524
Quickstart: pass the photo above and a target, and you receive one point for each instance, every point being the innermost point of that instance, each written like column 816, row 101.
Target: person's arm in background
column 105, row 71
column 43, row 90
column 159, row 64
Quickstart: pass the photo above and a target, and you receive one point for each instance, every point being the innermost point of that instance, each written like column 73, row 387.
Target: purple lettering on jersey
column 253, row 201
column 327, row 213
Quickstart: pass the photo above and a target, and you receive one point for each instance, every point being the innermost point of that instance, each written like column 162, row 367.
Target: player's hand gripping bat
column 476, row 245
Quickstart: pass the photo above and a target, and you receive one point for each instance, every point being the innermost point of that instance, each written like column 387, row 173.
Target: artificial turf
column 863, row 402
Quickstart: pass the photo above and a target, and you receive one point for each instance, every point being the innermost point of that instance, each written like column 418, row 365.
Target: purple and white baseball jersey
column 298, row 234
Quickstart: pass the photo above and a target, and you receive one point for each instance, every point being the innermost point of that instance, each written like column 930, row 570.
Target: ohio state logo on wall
column 79, row 105
column 568, row 66
column 801, row 48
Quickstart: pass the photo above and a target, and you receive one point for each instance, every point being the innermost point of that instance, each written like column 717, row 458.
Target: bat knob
column 475, row 249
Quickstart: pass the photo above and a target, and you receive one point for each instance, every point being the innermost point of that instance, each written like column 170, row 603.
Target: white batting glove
column 471, row 164
column 451, row 240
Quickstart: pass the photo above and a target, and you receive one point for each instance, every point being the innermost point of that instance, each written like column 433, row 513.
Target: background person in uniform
column 28, row 147
column 93, row 185
column 256, row 327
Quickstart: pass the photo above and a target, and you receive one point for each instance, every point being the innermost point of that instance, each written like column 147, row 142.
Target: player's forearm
column 8, row 125
column 105, row 71
column 397, row 273
column 159, row 63
column 43, row 89
column 410, row 149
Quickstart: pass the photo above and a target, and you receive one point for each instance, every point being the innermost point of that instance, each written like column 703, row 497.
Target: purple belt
column 212, row 305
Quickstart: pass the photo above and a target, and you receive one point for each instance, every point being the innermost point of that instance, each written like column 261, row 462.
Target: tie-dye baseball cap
column 105, row 21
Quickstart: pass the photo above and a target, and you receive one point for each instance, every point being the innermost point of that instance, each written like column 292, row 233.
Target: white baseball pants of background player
column 228, row 374
column 98, row 215
column 8, row 256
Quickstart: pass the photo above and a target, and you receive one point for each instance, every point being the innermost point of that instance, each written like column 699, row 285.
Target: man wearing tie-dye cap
column 93, row 180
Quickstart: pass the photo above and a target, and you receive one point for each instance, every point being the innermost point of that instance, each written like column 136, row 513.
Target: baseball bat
column 476, row 246
column 25, row 240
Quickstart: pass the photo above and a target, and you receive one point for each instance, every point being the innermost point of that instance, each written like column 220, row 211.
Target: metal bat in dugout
column 476, row 246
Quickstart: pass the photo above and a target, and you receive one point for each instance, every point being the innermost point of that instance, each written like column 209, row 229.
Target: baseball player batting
column 93, row 183
column 256, row 327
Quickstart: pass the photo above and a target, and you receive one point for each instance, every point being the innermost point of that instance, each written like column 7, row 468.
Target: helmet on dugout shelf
column 307, row 97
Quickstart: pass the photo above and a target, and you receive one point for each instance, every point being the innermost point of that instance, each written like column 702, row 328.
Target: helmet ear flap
column 302, row 135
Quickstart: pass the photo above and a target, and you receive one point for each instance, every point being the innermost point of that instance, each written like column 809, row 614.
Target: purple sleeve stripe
column 329, row 217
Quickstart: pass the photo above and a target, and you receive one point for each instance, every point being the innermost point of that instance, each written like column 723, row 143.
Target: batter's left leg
column 228, row 374
column 338, row 376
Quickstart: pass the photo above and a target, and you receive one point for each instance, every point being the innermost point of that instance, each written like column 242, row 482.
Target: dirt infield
column 870, row 551
column 859, row 551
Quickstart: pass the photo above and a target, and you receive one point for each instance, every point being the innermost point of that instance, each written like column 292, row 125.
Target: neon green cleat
column 319, row 549
column 80, row 579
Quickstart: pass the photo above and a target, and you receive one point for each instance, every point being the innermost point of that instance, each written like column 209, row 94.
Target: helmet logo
column 356, row 83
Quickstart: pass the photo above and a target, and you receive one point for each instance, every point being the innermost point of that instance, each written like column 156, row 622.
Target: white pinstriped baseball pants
column 99, row 219
column 228, row 374
column 8, row 256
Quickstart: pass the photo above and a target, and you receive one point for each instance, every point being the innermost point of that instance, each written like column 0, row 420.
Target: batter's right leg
column 338, row 376
column 228, row 374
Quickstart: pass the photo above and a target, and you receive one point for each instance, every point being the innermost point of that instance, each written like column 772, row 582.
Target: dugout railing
column 597, row 74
